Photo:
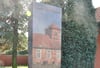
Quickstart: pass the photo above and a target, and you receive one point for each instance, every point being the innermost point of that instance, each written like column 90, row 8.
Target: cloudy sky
column 44, row 16
column 96, row 3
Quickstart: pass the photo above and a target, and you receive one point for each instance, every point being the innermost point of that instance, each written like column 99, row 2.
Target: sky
column 96, row 3
column 44, row 16
column 38, row 0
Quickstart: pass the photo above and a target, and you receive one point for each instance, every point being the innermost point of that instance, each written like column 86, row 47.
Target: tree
column 13, row 17
column 78, row 33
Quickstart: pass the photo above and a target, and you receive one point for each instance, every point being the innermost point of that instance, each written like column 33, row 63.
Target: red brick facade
column 6, row 60
column 44, row 59
column 97, row 59
column 47, row 47
column 97, row 14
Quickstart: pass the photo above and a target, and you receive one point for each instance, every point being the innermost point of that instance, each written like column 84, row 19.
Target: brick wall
column 97, row 60
column 97, row 56
column 6, row 60
column 97, row 14
column 43, row 58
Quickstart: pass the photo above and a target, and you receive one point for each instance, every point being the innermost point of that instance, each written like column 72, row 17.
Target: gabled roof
column 44, row 41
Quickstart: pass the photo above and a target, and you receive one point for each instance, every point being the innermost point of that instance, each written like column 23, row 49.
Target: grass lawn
column 17, row 67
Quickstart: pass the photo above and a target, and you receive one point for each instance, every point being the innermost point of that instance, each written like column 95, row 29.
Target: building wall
column 97, row 56
column 53, row 34
column 44, row 59
column 6, row 60
column 56, row 34
column 97, row 14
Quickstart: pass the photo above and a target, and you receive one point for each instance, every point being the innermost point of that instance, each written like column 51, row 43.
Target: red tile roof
column 44, row 41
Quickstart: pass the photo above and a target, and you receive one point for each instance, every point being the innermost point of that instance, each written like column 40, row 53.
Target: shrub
column 78, row 46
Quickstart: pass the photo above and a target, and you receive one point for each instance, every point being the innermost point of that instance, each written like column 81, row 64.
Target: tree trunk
column 15, row 42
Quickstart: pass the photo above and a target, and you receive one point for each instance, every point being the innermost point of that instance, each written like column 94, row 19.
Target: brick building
column 97, row 14
column 47, row 47
column 97, row 59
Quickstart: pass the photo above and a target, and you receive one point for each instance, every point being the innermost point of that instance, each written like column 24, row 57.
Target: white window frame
column 58, row 54
column 38, row 53
column 48, row 54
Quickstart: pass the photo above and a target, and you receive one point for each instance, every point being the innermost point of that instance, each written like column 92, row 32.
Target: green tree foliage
column 7, row 8
column 15, row 18
column 77, row 49
column 78, row 33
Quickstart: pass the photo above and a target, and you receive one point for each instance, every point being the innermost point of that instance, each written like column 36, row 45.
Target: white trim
column 58, row 54
column 38, row 53
column 48, row 54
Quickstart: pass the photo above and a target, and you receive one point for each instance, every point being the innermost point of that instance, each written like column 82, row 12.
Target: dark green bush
column 78, row 47
column 25, row 52
column 9, row 52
